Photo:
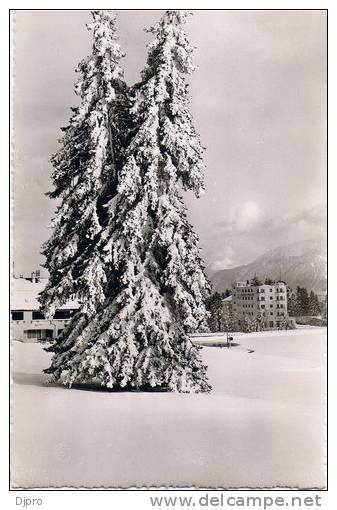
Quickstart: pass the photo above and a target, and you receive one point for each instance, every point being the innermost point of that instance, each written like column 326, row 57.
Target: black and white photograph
column 168, row 267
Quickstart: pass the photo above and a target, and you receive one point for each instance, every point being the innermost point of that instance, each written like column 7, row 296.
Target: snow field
column 262, row 426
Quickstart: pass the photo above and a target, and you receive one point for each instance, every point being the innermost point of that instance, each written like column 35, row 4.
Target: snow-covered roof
column 25, row 293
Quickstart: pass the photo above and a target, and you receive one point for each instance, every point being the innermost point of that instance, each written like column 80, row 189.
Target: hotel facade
column 265, row 304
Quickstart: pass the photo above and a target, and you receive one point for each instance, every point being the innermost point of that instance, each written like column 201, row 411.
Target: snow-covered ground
column 262, row 426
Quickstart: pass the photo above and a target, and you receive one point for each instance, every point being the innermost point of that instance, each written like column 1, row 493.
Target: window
column 271, row 313
column 31, row 333
column 271, row 324
column 63, row 314
column 271, row 297
column 37, row 316
column 59, row 332
column 17, row 316
column 39, row 334
column 263, row 306
column 271, row 306
column 270, row 290
column 262, row 298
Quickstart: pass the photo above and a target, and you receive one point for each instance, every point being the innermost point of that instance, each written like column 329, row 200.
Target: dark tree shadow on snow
column 43, row 381
column 220, row 344
column 29, row 379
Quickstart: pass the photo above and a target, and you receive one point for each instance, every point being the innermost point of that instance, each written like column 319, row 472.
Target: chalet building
column 265, row 303
column 27, row 322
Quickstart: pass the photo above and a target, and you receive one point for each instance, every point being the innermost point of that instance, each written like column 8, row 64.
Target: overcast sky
column 258, row 101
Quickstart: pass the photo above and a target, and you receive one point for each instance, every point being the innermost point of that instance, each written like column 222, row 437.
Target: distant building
column 266, row 304
column 27, row 322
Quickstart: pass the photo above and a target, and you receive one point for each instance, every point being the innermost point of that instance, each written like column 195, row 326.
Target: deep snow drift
column 262, row 426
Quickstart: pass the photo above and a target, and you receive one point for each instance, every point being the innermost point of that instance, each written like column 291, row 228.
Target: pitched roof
column 25, row 294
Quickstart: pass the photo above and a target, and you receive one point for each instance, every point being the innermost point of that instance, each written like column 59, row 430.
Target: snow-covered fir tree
column 85, row 178
column 84, row 175
column 154, row 287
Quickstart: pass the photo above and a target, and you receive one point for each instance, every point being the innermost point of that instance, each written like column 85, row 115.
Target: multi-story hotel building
column 265, row 303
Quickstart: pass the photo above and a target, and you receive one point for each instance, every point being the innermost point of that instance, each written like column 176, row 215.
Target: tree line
column 303, row 303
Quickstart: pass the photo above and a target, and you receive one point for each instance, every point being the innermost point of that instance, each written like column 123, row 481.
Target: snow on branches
column 84, row 174
column 122, row 243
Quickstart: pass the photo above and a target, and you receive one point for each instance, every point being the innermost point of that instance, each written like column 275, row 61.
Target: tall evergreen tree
column 159, row 294
column 302, row 300
column 85, row 180
column 84, row 176
column 230, row 320
column 227, row 293
column 215, row 308
column 154, row 287
column 314, row 308
column 292, row 304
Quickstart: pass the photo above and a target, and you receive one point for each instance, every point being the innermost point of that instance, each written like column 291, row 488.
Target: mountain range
column 301, row 263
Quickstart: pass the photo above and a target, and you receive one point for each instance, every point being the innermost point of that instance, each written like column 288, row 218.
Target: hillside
column 300, row 263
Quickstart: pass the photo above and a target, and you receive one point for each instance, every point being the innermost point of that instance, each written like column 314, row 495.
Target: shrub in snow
column 249, row 324
column 286, row 323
